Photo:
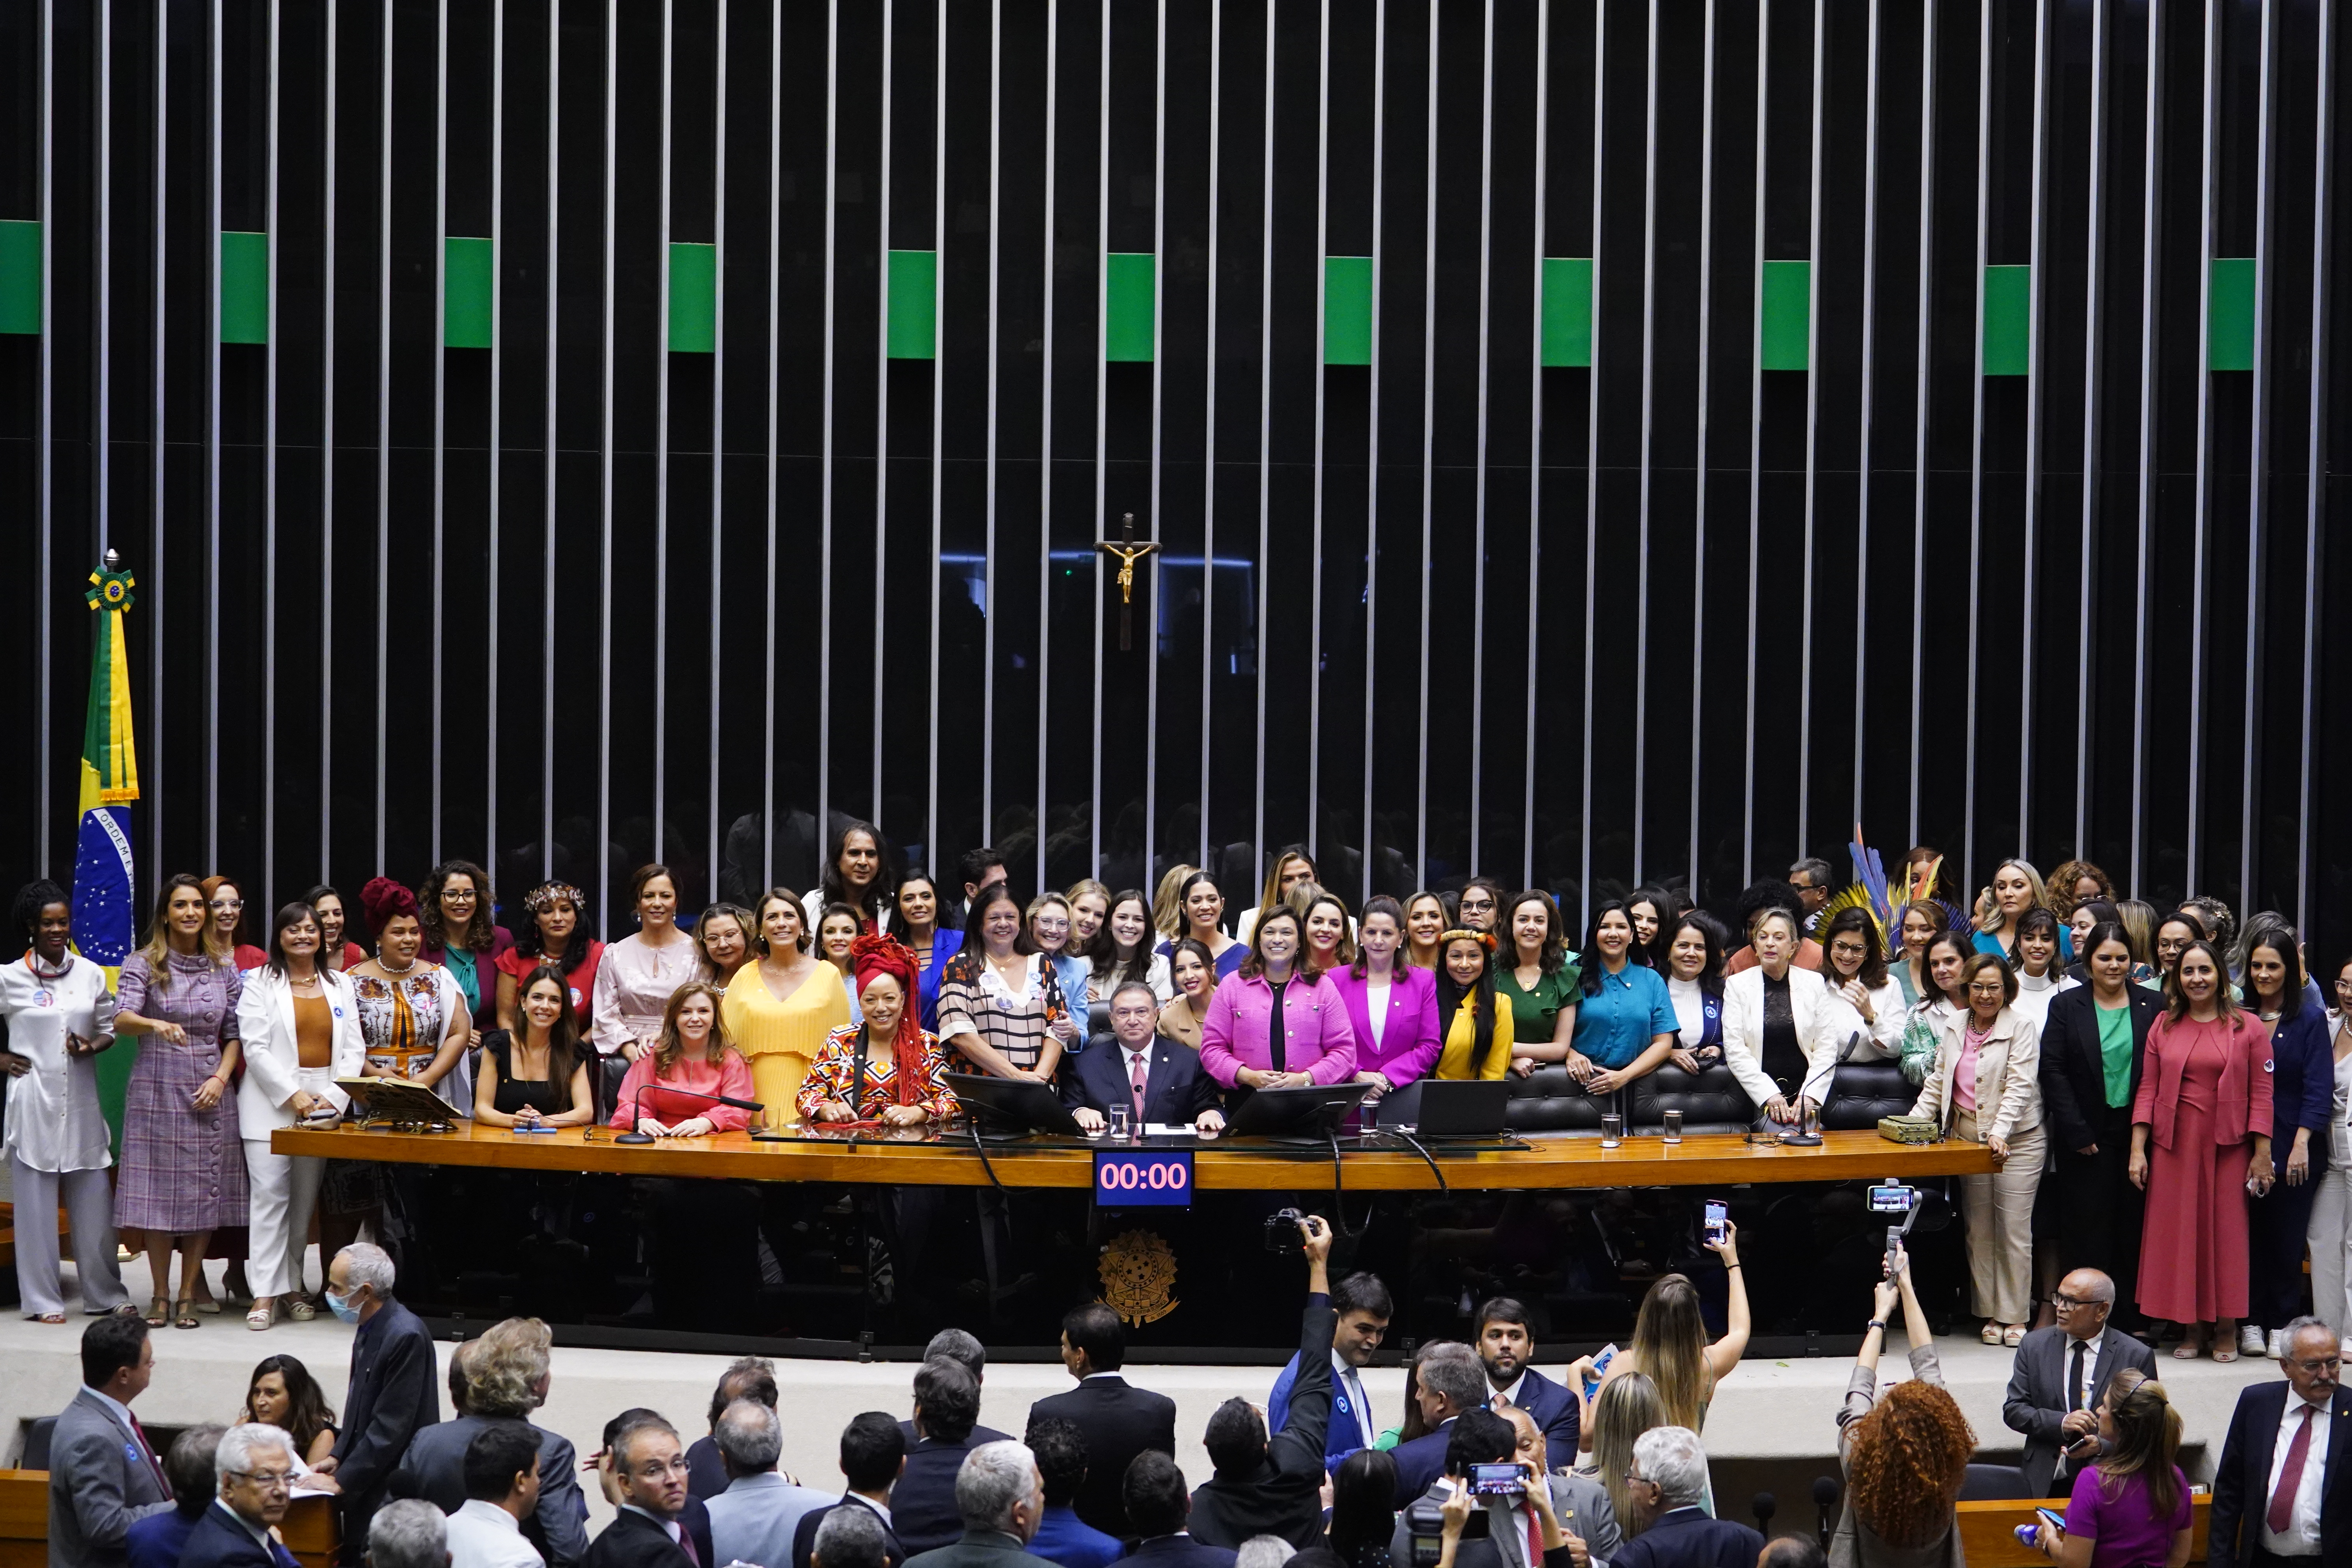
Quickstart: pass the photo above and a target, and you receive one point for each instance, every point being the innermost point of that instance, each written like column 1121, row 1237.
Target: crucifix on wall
column 1129, row 553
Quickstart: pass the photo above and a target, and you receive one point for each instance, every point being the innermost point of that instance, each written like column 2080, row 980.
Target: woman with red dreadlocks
column 900, row 1084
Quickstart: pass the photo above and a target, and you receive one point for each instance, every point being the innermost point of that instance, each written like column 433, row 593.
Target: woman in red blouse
column 692, row 1062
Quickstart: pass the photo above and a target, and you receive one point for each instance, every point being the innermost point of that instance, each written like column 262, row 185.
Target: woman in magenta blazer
column 1239, row 1045
column 1405, row 1046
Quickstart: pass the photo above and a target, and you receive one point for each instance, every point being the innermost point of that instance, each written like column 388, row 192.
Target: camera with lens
column 1282, row 1231
column 1425, row 1525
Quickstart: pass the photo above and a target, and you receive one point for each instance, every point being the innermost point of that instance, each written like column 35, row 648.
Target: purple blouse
column 1409, row 1041
column 2120, row 1518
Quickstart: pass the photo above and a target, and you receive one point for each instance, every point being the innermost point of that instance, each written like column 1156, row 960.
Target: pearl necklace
column 388, row 969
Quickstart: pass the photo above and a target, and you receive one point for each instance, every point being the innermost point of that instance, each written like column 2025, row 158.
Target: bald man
column 2061, row 1375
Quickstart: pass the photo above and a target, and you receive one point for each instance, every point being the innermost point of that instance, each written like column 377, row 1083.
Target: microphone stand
column 637, row 1109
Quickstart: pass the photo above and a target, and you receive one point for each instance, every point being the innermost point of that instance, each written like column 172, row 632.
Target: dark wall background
column 398, row 603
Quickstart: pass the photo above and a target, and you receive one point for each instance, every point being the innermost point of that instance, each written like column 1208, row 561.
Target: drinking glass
column 1613, row 1129
column 1117, row 1117
column 1673, row 1126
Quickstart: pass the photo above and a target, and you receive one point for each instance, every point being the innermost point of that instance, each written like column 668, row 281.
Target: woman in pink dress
column 2204, row 1102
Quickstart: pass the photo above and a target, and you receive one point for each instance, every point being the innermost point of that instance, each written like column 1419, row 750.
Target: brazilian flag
column 104, row 922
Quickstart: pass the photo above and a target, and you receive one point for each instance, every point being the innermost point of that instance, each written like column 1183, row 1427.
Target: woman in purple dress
column 182, row 1169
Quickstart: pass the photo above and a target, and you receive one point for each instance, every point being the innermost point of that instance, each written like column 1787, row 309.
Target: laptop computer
column 1449, row 1107
column 1013, row 1105
column 1311, row 1112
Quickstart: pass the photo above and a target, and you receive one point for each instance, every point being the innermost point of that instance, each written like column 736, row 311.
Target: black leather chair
column 1710, row 1100
column 1994, row 1483
column 1862, row 1092
column 1549, row 1101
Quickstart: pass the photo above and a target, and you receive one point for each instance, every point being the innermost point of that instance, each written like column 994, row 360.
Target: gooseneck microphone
column 1764, row 1507
column 637, row 1108
column 1825, row 1498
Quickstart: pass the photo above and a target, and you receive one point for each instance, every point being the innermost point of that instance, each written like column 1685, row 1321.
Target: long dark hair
column 531, row 943
column 307, row 1413
column 1554, row 951
column 288, row 915
column 1594, row 966
column 1362, row 1494
column 879, row 891
column 1102, row 950
column 975, row 920
column 482, row 933
column 1450, row 992
column 1401, row 964
column 563, row 1038
column 1712, row 932
column 1873, row 972
column 896, row 925
column 2281, row 940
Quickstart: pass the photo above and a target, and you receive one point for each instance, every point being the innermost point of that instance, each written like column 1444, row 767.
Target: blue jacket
column 157, row 1541
column 1688, row 1538
column 1420, row 1462
column 946, row 943
column 2303, row 1085
column 217, row 1540
column 1555, row 1411
column 1345, row 1433
column 1064, row 1539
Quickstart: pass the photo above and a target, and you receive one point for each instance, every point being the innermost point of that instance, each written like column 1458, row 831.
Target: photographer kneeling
column 1487, row 1511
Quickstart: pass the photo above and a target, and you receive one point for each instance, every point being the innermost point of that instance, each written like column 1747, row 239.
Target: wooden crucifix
column 1129, row 553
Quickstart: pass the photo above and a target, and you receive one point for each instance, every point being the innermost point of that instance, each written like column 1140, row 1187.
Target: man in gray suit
column 505, row 1375
column 754, row 1520
column 104, row 1475
column 2059, row 1379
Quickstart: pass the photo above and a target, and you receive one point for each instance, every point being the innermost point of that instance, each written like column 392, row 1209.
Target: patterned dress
column 832, row 1077
column 182, row 1169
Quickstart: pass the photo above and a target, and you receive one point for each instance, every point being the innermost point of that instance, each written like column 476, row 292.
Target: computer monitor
column 1316, row 1110
column 1012, row 1104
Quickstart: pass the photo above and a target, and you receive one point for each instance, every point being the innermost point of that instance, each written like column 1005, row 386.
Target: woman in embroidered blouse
column 1000, row 1000
column 226, row 902
column 639, row 973
column 1538, row 982
column 1273, row 1023
column 1477, row 1025
column 1694, row 946
column 456, row 910
column 1194, row 975
column 183, row 1168
column 780, row 1011
column 914, row 921
column 722, row 935
column 1204, row 913
column 1624, row 1023
column 1426, row 919
column 1391, row 1008
column 554, row 932
column 692, row 1053
column 412, row 1017
column 889, row 1069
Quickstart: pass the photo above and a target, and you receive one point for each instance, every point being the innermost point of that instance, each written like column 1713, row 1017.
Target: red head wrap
column 874, row 955
column 382, row 898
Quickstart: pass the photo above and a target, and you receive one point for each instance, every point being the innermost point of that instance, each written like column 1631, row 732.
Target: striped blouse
column 975, row 1001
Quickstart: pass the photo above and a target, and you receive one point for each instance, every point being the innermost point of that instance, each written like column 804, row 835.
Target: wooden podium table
column 1718, row 1160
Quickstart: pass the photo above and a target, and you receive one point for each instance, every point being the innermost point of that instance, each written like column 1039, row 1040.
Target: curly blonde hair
column 1910, row 1455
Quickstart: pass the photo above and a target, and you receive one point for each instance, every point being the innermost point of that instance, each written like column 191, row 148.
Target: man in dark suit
column 1120, row 1422
column 505, row 1375
column 872, row 1454
column 1514, row 1530
column 1062, row 1538
column 1507, row 1343
column 924, row 1512
column 256, row 1469
column 1274, row 1487
column 694, row 1519
column 1157, row 1079
column 748, row 1377
column 157, row 1541
column 1448, row 1381
column 391, row 1395
column 1152, row 1494
column 1668, row 1480
column 961, row 1348
column 2089, row 1123
column 1002, row 1498
column 2271, row 1507
column 648, row 1478
column 1361, row 1308
column 2060, row 1378
column 104, row 1475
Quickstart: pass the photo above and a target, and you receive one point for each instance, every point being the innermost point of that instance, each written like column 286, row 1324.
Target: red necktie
column 1135, row 1081
column 686, row 1545
column 2290, row 1479
column 1535, row 1536
column 147, row 1448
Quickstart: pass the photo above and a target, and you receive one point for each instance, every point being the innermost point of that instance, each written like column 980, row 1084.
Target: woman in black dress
column 536, row 1075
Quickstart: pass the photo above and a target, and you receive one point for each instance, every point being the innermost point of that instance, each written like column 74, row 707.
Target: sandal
column 159, row 1312
column 259, row 1317
column 1992, row 1334
column 301, row 1309
column 2013, row 1335
column 49, row 1317
column 2190, row 1349
column 184, row 1314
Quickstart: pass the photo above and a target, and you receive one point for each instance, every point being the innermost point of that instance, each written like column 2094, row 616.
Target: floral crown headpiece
column 547, row 895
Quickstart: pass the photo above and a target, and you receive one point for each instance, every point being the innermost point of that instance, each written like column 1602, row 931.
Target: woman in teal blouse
column 1538, row 975
column 1625, row 1019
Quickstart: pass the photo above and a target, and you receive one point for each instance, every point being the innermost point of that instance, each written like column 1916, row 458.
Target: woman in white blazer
column 301, row 1027
column 1769, row 1064
column 1985, row 1087
column 1865, row 1004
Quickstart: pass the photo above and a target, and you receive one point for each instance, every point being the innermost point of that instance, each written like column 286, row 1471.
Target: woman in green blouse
column 1538, row 975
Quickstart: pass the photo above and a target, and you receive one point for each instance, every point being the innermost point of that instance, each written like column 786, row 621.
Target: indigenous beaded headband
column 1463, row 933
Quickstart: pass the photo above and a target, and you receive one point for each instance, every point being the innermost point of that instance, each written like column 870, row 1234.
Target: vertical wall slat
column 2150, row 276
column 1486, row 341
column 2258, row 463
column 1591, row 443
column 2323, row 200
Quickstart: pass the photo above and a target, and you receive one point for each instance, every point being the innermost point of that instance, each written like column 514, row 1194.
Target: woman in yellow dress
column 1478, row 1033
column 778, row 1010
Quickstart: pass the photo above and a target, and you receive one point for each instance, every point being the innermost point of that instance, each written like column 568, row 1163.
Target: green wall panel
column 693, row 298
column 2009, row 320
column 1786, row 340
column 1347, row 310
column 465, row 316
column 20, row 275
column 1567, row 310
column 914, row 304
column 2230, row 321
column 1127, row 317
column 245, row 287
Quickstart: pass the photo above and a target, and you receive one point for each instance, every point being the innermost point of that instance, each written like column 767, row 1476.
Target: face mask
column 342, row 1309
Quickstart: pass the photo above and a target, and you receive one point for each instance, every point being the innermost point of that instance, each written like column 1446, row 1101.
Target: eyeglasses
column 268, row 1480
column 1988, row 988
column 456, row 895
column 655, row 1470
column 2067, row 1303
column 2325, row 1363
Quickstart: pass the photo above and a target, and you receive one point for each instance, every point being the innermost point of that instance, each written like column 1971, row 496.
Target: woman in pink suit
column 2205, row 1104
column 1391, row 1006
column 1274, row 1023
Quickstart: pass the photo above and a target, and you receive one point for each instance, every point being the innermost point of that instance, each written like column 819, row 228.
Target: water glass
column 1613, row 1129
column 1117, row 1116
column 1673, row 1126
